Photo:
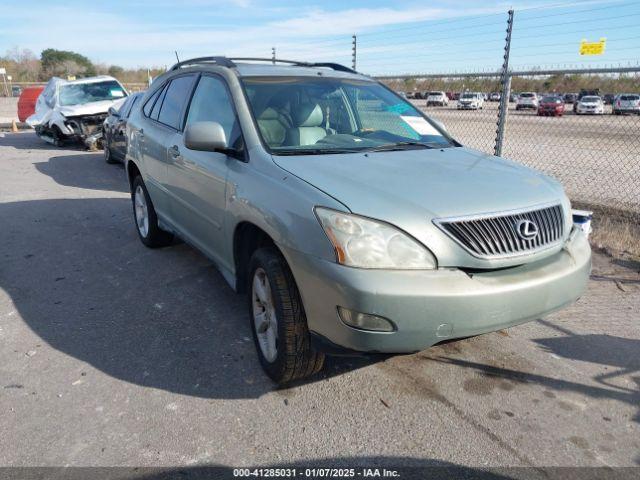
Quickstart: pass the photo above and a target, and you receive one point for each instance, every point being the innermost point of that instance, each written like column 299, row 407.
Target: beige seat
column 273, row 126
column 308, row 126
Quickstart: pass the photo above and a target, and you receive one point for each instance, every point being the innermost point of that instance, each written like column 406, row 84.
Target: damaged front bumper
column 86, row 128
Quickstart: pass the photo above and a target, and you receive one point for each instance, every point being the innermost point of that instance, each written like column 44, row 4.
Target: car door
column 120, row 127
column 116, row 134
column 197, row 180
column 162, row 122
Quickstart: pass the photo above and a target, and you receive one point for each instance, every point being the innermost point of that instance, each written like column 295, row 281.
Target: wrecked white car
column 75, row 110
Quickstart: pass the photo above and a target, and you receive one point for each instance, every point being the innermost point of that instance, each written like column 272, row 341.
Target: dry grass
column 616, row 232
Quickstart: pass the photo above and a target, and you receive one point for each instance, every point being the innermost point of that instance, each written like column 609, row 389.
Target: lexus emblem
column 527, row 230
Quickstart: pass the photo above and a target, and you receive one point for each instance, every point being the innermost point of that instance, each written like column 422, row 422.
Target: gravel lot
column 114, row 354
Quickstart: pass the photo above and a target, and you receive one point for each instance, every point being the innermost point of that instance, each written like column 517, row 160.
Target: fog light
column 365, row 321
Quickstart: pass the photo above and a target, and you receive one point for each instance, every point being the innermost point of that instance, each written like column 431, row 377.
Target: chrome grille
column 496, row 235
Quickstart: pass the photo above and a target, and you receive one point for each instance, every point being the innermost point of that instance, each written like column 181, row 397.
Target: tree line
column 24, row 66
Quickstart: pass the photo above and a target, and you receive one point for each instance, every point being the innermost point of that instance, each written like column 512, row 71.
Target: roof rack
column 223, row 61
column 334, row 66
column 230, row 63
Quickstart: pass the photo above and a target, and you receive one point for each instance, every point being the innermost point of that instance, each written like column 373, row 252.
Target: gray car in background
column 353, row 222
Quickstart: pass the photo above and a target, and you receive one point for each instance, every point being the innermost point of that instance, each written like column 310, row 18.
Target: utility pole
column 354, row 46
column 273, row 55
column 505, row 82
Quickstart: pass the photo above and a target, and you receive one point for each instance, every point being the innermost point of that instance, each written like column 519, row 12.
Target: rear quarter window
column 151, row 102
column 175, row 99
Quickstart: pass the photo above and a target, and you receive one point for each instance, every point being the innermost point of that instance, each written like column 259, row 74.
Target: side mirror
column 206, row 137
column 113, row 111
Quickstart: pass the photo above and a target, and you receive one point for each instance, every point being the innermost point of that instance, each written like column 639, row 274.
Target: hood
column 437, row 183
column 411, row 188
column 92, row 108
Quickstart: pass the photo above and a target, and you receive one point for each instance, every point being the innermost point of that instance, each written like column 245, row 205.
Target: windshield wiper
column 314, row 151
column 397, row 146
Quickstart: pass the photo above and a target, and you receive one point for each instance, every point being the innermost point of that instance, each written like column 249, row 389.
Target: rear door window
column 175, row 98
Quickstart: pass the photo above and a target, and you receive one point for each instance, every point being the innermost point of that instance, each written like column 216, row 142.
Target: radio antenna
column 177, row 58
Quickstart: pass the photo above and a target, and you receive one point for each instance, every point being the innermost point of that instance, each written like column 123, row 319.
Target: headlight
column 365, row 243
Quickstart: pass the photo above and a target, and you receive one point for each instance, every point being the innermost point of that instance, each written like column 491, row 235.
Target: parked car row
column 621, row 103
column 584, row 103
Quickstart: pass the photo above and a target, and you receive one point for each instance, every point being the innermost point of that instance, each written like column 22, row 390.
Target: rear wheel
column 278, row 320
column 145, row 217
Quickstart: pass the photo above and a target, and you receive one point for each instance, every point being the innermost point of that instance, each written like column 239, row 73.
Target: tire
column 294, row 358
column 58, row 138
column 149, row 232
column 108, row 156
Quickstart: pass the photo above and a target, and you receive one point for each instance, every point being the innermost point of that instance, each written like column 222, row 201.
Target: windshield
column 590, row 99
column 551, row 100
column 630, row 97
column 309, row 115
column 81, row 93
column 468, row 95
column 527, row 95
column 435, row 94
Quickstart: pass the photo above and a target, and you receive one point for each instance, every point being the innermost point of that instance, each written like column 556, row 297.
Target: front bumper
column 430, row 306
column 627, row 110
column 590, row 111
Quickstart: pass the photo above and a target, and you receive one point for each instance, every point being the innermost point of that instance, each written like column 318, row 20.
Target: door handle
column 174, row 152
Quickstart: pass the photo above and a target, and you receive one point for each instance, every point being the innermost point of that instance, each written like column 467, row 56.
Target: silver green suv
column 354, row 222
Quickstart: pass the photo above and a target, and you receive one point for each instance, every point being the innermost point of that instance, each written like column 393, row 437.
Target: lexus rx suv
column 353, row 222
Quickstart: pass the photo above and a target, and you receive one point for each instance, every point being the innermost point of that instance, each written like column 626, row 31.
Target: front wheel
column 278, row 320
column 145, row 217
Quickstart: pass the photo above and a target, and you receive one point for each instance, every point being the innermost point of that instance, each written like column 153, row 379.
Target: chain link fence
column 595, row 154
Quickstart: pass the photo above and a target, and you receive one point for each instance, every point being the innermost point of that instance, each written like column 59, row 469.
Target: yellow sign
column 592, row 48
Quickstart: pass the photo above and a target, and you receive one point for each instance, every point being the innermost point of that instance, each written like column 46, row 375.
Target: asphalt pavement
column 115, row 354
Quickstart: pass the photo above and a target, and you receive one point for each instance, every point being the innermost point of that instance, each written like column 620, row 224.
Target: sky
column 438, row 36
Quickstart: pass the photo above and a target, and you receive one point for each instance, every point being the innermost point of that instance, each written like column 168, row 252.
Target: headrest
column 308, row 115
column 269, row 114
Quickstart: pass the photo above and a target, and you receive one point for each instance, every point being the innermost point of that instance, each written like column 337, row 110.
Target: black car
column 115, row 127
column 608, row 98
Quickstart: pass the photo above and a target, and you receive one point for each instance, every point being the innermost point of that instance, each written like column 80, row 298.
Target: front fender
column 281, row 205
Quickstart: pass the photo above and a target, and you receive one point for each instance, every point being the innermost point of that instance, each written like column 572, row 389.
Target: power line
column 572, row 12
column 435, row 22
column 562, row 24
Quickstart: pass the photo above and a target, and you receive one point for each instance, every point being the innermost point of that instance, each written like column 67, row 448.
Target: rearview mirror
column 113, row 111
column 206, row 137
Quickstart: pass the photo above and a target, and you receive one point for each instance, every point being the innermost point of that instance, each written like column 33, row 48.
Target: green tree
column 62, row 62
column 115, row 71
